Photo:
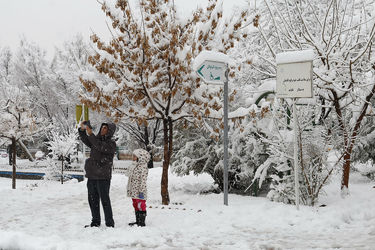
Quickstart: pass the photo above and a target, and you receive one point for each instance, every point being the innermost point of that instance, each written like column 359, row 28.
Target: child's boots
column 142, row 218
column 136, row 219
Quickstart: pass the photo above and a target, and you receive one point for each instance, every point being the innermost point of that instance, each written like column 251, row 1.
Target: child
column 137, row 185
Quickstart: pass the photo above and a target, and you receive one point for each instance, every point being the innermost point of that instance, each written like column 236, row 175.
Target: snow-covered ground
column 49, row 215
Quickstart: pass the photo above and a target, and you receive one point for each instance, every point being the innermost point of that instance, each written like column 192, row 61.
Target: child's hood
column 142, row 155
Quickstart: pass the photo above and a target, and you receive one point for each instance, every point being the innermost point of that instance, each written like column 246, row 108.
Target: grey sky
column 49, row 23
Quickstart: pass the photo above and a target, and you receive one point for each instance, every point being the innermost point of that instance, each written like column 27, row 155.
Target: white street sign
column 212, row 72
column 294, row 80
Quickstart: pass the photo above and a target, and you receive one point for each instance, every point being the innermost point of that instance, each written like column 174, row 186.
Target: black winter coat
column 103, row 148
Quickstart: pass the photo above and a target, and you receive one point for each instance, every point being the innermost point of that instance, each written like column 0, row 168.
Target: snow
column 266, row 86
column 295, row 56
column 209, row 56
column 240, row 112
column 48, row 215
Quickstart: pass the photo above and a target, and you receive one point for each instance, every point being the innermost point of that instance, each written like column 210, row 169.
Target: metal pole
column 83, row 145
column 226, row 138
column 296, row 164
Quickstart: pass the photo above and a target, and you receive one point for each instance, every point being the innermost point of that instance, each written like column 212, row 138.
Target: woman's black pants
column 98, row 190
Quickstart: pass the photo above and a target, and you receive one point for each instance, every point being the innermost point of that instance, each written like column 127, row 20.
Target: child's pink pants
column 139, row 205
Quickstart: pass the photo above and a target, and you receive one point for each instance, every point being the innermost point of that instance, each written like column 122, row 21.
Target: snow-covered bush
column 364, row 151
column 314, row 145
column 366, row 169
column 39, row 155
column 61, row 147
column 198, row 153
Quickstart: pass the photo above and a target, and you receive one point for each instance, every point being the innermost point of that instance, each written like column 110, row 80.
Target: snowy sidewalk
column 48, row 215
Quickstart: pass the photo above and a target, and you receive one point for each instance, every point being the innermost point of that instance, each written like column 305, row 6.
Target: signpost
column 212, row 68
column 294, row 80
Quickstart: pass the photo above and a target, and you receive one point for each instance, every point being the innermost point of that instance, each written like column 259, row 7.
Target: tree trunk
column 170, row 138
column 347, row 160
column 345, row 174
column 62, row 169
column 150, row 163
column 350, row 142
column 31, row 158
column 14, row 163
column 164, row 177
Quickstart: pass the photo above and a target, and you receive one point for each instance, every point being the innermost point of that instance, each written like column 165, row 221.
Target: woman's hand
column 82, row 126
column 88, row 130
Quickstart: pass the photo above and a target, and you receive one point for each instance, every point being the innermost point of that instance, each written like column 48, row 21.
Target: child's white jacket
column 137, row 173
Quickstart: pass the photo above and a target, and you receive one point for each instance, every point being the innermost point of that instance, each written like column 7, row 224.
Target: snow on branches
column 149, row 61
column 17, row 119
column 148, row 65
column 62, row 144
column 342, row 37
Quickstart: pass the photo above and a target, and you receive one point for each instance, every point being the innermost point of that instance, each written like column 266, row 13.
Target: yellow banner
column 79, row 116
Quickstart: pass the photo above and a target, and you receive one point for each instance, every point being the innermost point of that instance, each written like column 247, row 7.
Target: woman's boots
column 140, row 217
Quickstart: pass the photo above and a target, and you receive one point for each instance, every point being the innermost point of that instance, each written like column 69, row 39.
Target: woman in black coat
column 98, row 168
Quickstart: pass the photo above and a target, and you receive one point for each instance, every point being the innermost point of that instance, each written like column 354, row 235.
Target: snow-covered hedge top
column 266, row 86
column 295, row 56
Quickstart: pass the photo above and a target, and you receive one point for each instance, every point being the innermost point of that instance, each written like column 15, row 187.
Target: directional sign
column 212, row 68
column 212, row 72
